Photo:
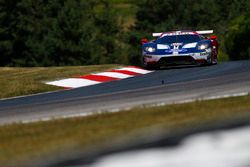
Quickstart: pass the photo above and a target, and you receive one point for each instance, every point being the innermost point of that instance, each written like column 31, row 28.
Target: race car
column 180, row 48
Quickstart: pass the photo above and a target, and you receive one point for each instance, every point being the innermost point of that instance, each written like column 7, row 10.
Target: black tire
column 149, row 67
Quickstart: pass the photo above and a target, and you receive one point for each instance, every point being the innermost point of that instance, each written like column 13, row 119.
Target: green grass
column 21, row 142
column 25, row 81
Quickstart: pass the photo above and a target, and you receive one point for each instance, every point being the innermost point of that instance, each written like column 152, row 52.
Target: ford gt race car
column 180, row 48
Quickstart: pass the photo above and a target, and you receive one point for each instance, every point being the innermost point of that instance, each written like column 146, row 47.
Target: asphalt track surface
column 165, row 86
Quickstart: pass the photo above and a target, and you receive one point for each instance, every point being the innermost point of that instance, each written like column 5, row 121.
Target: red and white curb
column 92, row 79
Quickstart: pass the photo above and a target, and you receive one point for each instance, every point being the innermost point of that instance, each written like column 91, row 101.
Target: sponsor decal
column 175, row 52
column 176, row 44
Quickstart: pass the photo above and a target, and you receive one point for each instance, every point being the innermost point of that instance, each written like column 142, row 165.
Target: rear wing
column 157, row 34
column 203, row 32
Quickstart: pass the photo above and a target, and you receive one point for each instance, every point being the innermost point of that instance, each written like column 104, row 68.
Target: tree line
column 228, row 18
column 82, row 32
column 57, row 32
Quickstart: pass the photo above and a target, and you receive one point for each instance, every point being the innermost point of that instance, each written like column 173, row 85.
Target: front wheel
column 214, row 60
column 149, row 66
column 210, row 59
column 214, row 56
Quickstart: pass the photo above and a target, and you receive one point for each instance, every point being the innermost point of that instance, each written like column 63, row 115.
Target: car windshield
column 178, row 38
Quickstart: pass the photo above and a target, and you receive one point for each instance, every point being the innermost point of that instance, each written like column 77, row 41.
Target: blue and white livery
column 180, row 47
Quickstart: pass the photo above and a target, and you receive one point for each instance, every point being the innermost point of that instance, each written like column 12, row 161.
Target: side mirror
column 213, row 37
column 144, row 40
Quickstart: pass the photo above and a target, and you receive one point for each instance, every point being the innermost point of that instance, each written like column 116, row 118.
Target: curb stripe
column 99, row 78
column 137, row 70
column 125, row 72
column 73, row 82
column 92, row 79
column 114, row 75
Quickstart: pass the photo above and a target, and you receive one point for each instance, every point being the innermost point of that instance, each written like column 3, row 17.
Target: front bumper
column 191, row 58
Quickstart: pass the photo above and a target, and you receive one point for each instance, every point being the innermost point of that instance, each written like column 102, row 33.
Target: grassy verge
column 21, row 142
column 24, row 81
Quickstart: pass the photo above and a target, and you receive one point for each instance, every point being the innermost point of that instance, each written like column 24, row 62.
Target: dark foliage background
column 228, row 18
column 57, row 32
column 82, row 32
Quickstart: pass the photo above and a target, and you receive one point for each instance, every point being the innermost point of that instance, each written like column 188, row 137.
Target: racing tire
column 150, row 67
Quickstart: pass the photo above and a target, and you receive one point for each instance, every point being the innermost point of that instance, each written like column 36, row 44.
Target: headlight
column 203, row 46
column 150, row 49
